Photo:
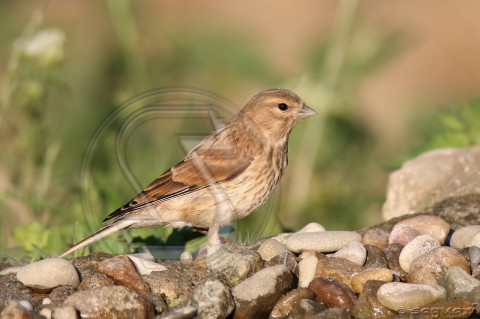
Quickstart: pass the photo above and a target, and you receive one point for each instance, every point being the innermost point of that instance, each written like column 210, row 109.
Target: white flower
column 45, row 46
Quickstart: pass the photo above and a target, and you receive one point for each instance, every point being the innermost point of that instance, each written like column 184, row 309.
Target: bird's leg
column 213, row 237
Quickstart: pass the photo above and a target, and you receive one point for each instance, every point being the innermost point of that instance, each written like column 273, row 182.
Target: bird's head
column 274, row 113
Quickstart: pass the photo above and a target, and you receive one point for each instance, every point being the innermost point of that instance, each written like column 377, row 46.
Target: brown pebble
column 333, row 293
column 368, row 306
column 338, row 268
column 359, row 279
column 460, row 308
column 123, row 272
column 375, row 237
column 284, row 305
column 392, row 253
column 375, row 257
column 306, row 309
column 431, row 266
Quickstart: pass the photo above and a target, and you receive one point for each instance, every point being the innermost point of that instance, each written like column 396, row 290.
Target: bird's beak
column 306, row 111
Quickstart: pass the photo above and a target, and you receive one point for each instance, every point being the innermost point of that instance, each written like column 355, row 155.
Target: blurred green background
column 389, row 80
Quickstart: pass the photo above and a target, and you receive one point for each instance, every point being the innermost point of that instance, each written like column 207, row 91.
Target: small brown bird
column 224, row 178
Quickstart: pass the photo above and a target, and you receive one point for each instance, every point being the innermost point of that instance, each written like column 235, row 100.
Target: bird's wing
column 200, row 168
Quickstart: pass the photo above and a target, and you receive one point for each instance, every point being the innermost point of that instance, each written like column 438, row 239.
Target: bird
column 229, row 174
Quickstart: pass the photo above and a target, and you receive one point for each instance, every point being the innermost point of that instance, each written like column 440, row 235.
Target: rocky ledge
column 424, row 265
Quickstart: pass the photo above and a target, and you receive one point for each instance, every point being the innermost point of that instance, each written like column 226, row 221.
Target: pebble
column 145, row 266
column 376, row 237
column 474, row 256
column 462, row 237
column 354, row 251
column 333, row 293
column 172, row 285
column 123, row 272
column 337, row 268
column 375, row 257
column 399, row 295
column 187, row 312
column 232, row 263
column 255, row 296
column 65, row 312
column 95, row 280
column 402, row 235
column 47, row 313
column 311, row 227
column 306, row 309
column 417, row 247
column 287, row 258
column 392, row 253
column 430, row 267
column 271, row 248
column 427, row 224
column 14, row 310
column 54, row 272
column 110, row 302
column 186, row 258
column 307, row 268
column 458, row 282
column 359, row 279
column 368, row 306
column 324, row 241
column 475, row 242
column 213, row 300
column 333, row 313
column 284, row 305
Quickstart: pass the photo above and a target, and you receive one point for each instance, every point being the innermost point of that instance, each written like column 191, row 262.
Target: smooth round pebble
column 311, row 227
column 399, row 295
column 354, row 251
column 427, row 224
column 54, row 272
column 431, row 266
column 376, row 237
column 417, row 247
column 307, row 267
column 359, row 279
column 462, row 237
column 271, row 248
column 186, row 258
column 402, row 235
column 474, row 256
column 475, row 242
column 324, row 241
column 332, row 293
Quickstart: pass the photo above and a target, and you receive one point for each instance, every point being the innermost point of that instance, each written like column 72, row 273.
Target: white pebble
column 186, row 258
column 475, row 242
column 307, row 268
column 354, row 251
column 49, row 273
column 463, row 237
column 399, row 295
column 324, row 241
column 271, row 248
column 46, row 301
column 26, row 304
column 417, row 247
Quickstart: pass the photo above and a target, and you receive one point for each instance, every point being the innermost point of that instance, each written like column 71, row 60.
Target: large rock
column 431, row 178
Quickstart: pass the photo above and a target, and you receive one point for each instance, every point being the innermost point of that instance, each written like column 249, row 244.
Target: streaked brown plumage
column 224, row 178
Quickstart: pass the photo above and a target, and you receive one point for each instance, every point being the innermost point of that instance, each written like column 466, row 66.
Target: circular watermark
column 179, row 117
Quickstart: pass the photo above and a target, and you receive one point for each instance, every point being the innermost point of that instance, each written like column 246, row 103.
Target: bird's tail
column 102, row 232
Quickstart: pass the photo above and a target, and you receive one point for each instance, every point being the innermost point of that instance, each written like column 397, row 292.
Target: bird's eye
column 282, row 106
